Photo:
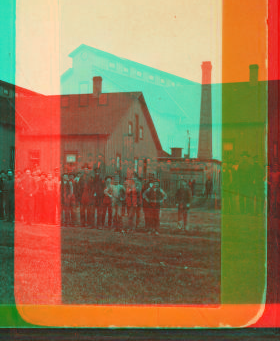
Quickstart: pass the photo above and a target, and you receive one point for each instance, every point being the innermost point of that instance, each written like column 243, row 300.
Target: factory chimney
column 205, row 129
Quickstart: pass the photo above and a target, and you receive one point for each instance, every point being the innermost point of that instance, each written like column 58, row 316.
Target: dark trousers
column 10, row 208
column 147, row 216
column 117, row 216
column 259, row 203
column 107, row 207
column 49, row 209
column 1, row 206
column 65, row 214
column 89, row 209
column 99, row 212
column 133, row 212
column 154, row 219
column 246, row 204
column 183, row 216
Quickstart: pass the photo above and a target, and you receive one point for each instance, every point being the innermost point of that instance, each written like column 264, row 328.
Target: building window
column 71, row 158
column 228, row 150
column 118, row 163
column 151, row 78
column 6, row 91
column 141, row 133
column 125, row 70
column 136, row 165
column 136, row 128
column 130, row 130
column 70, row 161
column 112, row 65
column 172, row 83
column 162, row 81
column 139, row 73
column 34, row 158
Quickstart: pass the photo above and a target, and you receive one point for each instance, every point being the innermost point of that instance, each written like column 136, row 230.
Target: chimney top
column 206, row 65
column 254, row 71
column 206, row 72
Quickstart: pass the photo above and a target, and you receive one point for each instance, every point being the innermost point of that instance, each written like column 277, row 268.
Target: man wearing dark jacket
column 85, row 185
column 10, row 197
column 98, row 195
column 183, row 200
column 154, row 197
column 2, row 193
column 146, row 207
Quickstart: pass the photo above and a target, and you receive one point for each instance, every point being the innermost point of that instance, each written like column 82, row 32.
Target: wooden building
column 9, row 96
column 112, row 131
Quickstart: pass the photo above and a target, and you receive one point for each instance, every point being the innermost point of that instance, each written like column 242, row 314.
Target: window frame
column 118, row 161
column 141, row 130
column 130, row 124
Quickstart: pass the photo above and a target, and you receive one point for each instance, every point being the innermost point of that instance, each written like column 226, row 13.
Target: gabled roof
column 95, row 118
column 64, row 115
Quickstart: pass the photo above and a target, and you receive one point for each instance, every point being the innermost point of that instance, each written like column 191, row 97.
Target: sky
column 172, row 36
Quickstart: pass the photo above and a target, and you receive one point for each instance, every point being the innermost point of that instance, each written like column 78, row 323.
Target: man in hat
column 155, row 197
column 18, row 196
column 29, row 188
column 183, row 201
column 98, row 194
column 258, row 174
column 2, row 194
column 10, row 197
column 134, row 201
column 245, row 180
column 73, row 200
column 146, row 207
column 85, row 195
column 118, row 196
column 50, row 191
column 66, row 191
column 107, row 201
column 227, row 180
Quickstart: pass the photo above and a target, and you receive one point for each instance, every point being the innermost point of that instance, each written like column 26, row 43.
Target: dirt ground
column 106, row 267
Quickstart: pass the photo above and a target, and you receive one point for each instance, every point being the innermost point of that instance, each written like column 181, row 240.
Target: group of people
column 98, row 198
column 244, row 186
column 87, row 199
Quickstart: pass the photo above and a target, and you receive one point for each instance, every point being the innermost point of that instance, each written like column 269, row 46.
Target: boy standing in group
column 118, row 196
column 155, row 197
column 183, row 202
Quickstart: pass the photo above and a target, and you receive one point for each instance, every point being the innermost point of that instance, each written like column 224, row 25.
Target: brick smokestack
column 205, row 129
column 97, row 86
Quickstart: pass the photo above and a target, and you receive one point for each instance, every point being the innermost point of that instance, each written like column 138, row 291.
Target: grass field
column 105, row 267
